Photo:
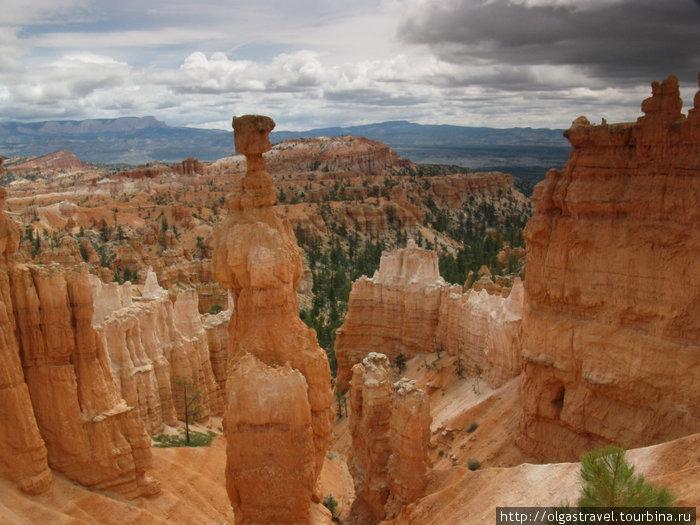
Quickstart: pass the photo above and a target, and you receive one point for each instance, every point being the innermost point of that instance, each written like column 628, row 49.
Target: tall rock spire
column 274, row 447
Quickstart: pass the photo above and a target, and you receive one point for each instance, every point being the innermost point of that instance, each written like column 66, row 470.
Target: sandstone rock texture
column 611, row 321
column 61, row 161
column 91, row 435
column 406, row 308
column 390, row 428
column 335, row 154
column 59, row 404
column 269, row 434
column 257, row 258
column 151, row 343
column 23, row 456
column 216, row 328
column 455, row 191
column 409, row 435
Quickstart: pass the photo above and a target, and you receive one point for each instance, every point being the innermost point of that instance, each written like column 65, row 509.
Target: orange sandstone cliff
column 92, row 436
column 60, row 408
column 152, row 342
column 22, row 450
column 611, row 323
column 278, row 415
column 390, row 428
column 406, row 308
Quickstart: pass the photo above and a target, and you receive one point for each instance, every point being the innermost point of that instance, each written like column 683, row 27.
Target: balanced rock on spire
column 257, row 257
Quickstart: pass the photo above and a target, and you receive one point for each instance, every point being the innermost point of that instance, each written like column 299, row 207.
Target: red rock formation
column 91, row 435
column 190, row 358
column 190, row 166
column 485, row 330
column 216, row 328
column 370, row 409
column 152, row 343
column 395, row 312
column 407, row 309
column 611, row 322
column 336, row 154
column 61, row 161
column 409, row 436
column 22, row 451
column 59, row 399
column 390, row 428
column 256, row 256
column 270, row 468
column 453, row 191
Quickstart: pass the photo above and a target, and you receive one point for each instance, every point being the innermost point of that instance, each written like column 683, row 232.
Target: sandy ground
column 194, row 492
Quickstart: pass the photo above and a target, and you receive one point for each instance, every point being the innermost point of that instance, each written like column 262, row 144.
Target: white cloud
column 12, row 50
column 307, row 63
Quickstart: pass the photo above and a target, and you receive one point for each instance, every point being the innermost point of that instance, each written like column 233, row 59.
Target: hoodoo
column 278, row 377
column 390, row 427
column 611, row 321
column 22, row 451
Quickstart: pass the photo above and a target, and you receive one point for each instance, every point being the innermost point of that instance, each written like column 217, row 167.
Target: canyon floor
column 194, row 489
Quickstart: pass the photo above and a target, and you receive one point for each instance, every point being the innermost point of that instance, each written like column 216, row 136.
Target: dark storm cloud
column 625, row 42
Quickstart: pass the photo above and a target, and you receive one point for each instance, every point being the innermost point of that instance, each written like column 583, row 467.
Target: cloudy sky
column 317, row 63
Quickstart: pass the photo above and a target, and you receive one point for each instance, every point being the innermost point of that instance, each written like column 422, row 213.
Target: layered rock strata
column 611, row 323
column 92, row 436
column 152, row 342
column 406, row 308
column 59, row 404
column 257, row 258
column 336, row 154
column 454, row 192
column 216, row 328
column 390, row 428
column 269, row 418
column 23, row 456
column 409, row 435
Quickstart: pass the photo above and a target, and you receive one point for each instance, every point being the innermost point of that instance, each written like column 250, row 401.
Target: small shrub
column 400, row 362
column 197, row 439
column 215, row 309
column 332, row 505
column 441, row 453
column 472, row 427
column 473, row 464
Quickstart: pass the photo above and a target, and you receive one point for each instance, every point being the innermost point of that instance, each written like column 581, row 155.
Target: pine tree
column 193, row 411
column 609, row 481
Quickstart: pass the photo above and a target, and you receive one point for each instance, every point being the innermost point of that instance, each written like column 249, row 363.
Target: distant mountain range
column 136, row 140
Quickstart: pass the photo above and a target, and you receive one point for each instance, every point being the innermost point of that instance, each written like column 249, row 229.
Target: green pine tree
column 609, row 481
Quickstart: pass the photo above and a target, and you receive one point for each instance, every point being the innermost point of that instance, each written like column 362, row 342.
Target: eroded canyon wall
column 406, row 308
column 257, row 258
column 59, row 405
column 23, row 456
column 92, row 436
column 390, row 428
column 611, row 321
column 152, row 342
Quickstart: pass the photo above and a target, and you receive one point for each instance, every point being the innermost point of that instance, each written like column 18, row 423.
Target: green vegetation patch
column 197, row 439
